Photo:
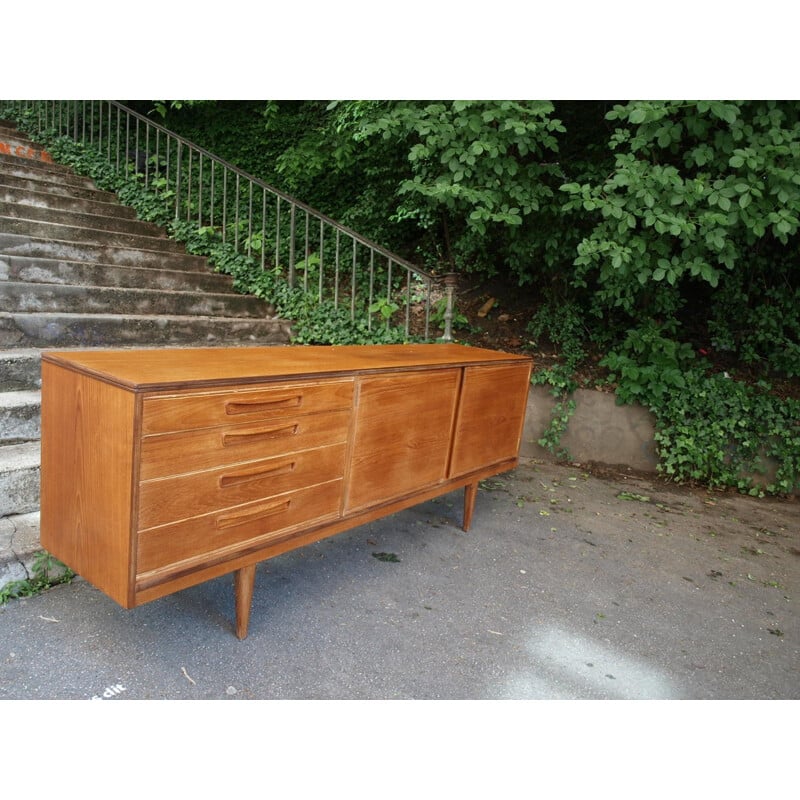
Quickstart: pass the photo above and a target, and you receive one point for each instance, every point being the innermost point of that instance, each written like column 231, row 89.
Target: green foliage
column 385, row 307
column 313, row 321
column 480, row 157
column 562, row 325
column 721, row 431
column 477, row 173
column 560, row 416
column 46, row 571
column 762, row 331
column 459, row 321
column 698, row 190
column 648, row 365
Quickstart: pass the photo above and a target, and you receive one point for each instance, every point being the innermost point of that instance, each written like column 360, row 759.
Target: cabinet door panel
column 404, row 422
column 490, row 416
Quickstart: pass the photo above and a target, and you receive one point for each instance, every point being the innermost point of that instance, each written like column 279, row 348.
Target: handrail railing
column 301, row 244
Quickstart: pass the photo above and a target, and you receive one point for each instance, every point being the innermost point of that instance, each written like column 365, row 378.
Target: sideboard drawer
column 229, row 531
column 166, row 454
column 167, row 413
column 175, row 498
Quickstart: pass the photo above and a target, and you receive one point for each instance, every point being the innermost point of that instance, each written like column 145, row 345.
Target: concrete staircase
column 78, row 270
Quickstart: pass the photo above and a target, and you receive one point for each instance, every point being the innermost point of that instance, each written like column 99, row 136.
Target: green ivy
column 313, row 321
column 562, row 325
column 46, row 571
column 722, row 432
column 764, row 332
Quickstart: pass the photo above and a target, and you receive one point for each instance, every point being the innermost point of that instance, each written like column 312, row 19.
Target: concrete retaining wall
column 598, row 431
column 602, row 432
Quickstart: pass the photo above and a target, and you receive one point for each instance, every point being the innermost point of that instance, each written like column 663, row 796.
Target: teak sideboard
column 164, row 468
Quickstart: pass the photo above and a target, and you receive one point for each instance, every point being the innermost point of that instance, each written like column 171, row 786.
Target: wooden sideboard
column 164, row 468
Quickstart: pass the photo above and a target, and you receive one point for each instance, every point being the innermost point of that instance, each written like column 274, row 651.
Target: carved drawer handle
column 233, row 408
column 252, row 514
column 236, row 478
column 243, row 437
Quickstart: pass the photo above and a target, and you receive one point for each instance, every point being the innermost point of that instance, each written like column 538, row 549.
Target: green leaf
column 637, row 116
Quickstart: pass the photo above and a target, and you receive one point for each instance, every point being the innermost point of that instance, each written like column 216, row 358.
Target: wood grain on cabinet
column 165, row 468
column 401, row 441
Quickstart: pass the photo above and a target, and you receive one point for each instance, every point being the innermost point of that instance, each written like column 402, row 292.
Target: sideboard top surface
column 175, row 368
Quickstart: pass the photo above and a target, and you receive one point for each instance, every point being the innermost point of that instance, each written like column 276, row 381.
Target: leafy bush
column 703, row 200
column 721, row 432
column 648, row 365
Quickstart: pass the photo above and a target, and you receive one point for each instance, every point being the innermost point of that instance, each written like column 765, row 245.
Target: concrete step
column 113, row 219
column 16, row 145
column 20, row 244
column 116, row 330
column 43, row 172
column 20, row 370
column 20, row 416
column 19, row 478
column 19, row 546
column 125, row 233
column 26, row 196
column 77, row 273
column 51, row 298
column 45, row 185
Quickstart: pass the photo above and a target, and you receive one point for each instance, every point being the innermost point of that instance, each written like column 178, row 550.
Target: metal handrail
column 209, row 189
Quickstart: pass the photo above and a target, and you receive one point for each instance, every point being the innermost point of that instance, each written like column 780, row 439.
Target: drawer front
column 191, row 451
column 168, row 413
column 193, row 541
column 171, row 499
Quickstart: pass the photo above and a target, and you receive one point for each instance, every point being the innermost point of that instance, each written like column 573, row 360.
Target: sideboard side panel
column 86, row 478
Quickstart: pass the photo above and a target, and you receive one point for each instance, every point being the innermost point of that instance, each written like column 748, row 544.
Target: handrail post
column 450, row 281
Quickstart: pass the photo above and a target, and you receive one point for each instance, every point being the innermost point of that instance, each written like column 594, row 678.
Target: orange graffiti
column 21, row 151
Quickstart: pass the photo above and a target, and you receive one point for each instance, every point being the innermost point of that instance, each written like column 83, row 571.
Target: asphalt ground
column 568, row 587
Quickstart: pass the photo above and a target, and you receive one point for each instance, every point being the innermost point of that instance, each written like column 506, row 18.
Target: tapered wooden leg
column 243, row 582
column 470, row 493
